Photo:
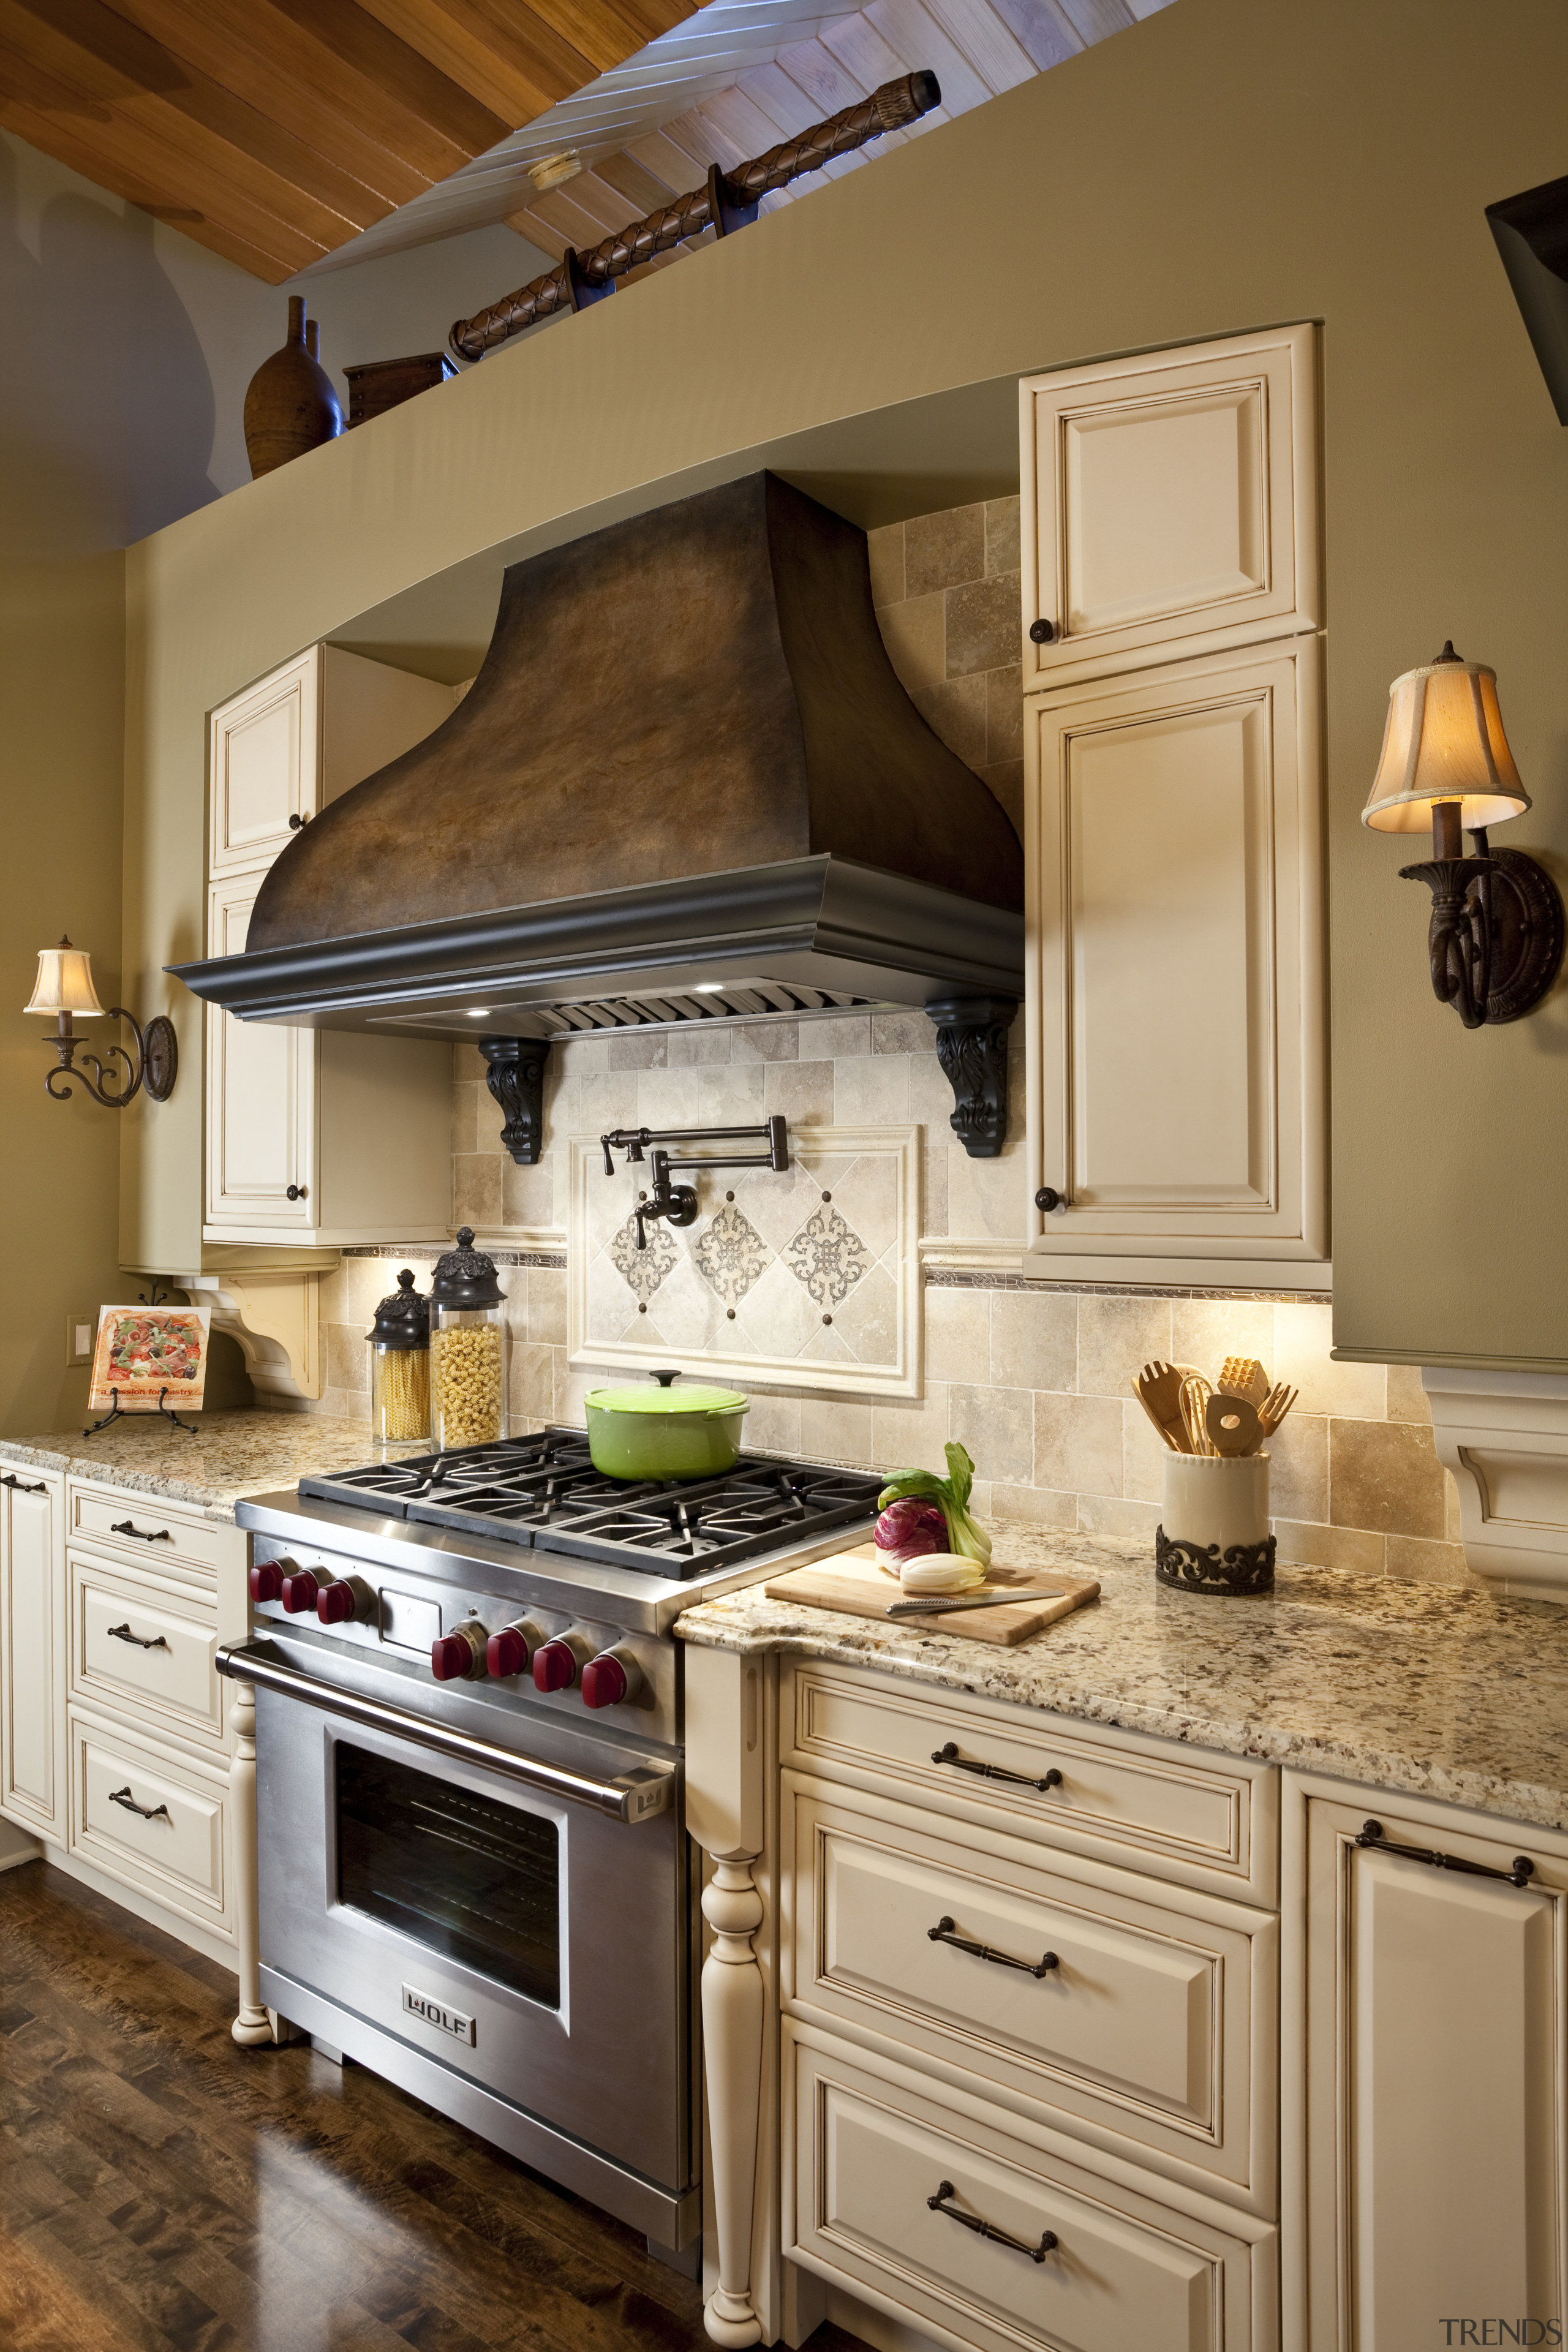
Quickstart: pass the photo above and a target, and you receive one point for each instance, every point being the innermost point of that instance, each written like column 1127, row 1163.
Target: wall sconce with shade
column 64, row 987
column 1496, row 936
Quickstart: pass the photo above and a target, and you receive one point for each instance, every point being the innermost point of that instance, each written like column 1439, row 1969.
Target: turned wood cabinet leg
column 253, row 2024
column 733, row 2042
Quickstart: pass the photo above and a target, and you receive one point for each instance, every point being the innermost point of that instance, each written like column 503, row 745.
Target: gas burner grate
column 545, row 1492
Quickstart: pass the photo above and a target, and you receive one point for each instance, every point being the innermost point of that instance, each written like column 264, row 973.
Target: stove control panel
column 484, row 1644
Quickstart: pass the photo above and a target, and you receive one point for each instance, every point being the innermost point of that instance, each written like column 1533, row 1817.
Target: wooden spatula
column 1196, row 1394
column 1232, row 1424
column 1243, row 1376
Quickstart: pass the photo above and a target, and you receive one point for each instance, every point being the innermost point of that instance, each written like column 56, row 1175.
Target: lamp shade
column 64, row 983
column 1444, row 741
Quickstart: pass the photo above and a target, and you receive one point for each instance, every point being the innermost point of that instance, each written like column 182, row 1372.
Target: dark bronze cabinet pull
column 22, row 1486
column 148, row 1812
column 142, row 1535
column 1521, row 1874
column 142, row 1640
column 950, row 1754
column 297, row 1193
column 942, row 1933
column 939, row 2204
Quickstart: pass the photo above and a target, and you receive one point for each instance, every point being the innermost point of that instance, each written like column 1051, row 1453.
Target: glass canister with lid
column 469, row 1349
column 400, row 1365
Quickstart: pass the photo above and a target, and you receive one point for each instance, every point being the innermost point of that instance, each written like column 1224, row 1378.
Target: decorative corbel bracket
column 971, row 1046
column 516, row 1079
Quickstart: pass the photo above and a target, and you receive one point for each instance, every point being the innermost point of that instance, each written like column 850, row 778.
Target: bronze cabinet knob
column 1047, row 1199
column 1042, row 633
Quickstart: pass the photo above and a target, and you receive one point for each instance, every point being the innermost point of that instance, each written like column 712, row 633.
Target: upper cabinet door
column 1175, row 996
column 264, row 764
column 260, row 1104
column 1169, row 504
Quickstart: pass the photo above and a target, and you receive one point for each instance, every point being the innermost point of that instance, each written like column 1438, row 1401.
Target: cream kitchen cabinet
column 1425, row 2108
column 1175, row 986
column 1169, row 504
column 122, row 1750
column 33, row 1649
column 279, row 751
column 320, row 1137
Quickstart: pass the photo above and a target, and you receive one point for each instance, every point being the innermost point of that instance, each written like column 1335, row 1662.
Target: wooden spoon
column 1232, row 1424
column 1158, row 1389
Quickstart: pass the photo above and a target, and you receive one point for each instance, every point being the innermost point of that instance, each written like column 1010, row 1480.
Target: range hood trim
column 861, row 929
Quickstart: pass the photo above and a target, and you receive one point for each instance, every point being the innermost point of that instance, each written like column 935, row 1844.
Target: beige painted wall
column 1229, row 163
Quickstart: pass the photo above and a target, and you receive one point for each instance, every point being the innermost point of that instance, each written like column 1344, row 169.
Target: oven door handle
column 630, row 1797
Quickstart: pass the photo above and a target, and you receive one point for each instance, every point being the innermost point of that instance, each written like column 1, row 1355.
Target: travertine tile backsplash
column 1035, row 1381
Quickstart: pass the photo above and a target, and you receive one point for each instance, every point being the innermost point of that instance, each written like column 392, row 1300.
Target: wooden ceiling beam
column 609, row 31
column 398, row 75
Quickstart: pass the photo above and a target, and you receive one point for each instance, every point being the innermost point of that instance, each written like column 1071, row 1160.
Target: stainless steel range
column 474, row 1870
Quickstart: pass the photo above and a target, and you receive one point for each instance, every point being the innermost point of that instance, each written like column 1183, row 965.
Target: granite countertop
column 1440, row 1690
column 231, row 1454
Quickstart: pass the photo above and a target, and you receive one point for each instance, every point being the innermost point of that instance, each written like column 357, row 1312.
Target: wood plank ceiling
column 276, row 131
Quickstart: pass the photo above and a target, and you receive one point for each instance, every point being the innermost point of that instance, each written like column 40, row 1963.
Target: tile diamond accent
column 828, row 1258
column 731, row 1254
column 642, row 1269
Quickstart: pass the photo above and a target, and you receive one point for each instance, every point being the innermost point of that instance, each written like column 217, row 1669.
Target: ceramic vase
column 290, row 405
column 1213, row 1535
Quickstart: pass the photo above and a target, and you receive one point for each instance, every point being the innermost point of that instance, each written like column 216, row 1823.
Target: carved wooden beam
column 730, row 200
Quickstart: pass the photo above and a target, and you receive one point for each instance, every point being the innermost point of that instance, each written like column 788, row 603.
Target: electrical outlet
column 82, row 1330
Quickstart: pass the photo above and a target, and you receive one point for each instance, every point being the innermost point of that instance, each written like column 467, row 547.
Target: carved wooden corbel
column 516, row 1079
column 971, row 1046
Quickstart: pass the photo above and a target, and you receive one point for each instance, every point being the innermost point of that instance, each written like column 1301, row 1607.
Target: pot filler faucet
column 678, row 1202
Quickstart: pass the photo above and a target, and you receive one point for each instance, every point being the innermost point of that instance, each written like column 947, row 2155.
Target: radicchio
column 906, row 1529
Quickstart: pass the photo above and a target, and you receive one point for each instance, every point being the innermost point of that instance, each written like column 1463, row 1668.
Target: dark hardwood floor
column 163, row 2190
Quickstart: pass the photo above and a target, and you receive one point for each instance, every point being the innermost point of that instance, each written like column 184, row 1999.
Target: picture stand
column 114, row 1414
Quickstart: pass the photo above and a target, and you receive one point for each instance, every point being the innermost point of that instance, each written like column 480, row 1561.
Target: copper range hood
column 686, row 785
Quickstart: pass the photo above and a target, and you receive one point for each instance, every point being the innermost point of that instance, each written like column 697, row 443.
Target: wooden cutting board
column 851, row 1582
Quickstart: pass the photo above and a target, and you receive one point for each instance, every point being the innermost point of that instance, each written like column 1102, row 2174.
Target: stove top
column 544, row 1494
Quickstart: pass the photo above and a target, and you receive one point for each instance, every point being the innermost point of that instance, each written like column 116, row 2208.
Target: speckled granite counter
column 1435, row 1689
column 232, row 1454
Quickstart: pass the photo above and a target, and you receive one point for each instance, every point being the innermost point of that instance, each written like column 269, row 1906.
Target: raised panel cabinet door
column 1434, row 2087
column 264, row 763
column 32, row 1651
column 1174, row 1027
column 261, row 1099
column 1169, row 504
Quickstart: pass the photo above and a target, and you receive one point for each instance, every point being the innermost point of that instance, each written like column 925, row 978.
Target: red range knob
column 337, row 1603
column 610, row 1678
column 454, row 1657
column 298, row 1592
column 265, row 1580
column 508, row 1652
column 554, row 1667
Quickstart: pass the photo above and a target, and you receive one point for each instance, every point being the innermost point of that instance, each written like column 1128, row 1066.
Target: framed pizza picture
column 146, row 1355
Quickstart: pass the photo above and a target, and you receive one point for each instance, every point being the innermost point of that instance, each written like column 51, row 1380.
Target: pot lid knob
column 465, row 1277
column 403, row 1319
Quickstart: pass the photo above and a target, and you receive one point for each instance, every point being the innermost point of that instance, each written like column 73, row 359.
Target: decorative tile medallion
column 775, row 1289
column 642, row 1269
column 828, row 1258
column 730, row 1255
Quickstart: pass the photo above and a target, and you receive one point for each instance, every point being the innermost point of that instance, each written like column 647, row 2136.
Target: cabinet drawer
column 138, row 1649
column 1150, row 1805
column 149, row 1817
column 1151, row 2029
column 142, row 1528
column 867, row 2158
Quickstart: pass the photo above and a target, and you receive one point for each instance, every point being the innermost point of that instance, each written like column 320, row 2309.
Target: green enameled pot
column 663, row 1432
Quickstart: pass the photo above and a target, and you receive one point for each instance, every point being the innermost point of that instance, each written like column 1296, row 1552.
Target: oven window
column 472, row 1880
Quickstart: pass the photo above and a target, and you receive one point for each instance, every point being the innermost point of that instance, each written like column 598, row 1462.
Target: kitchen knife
column 944, row 1600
